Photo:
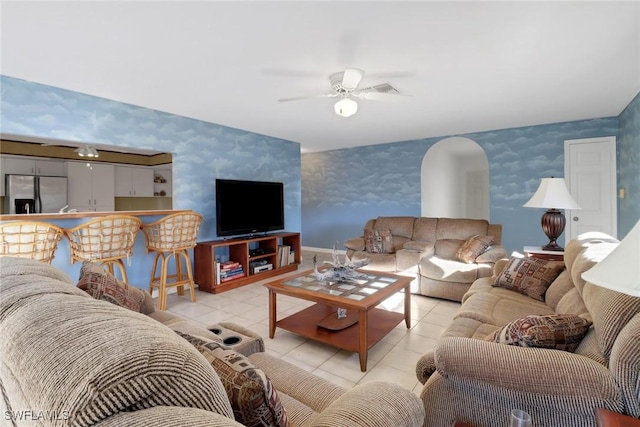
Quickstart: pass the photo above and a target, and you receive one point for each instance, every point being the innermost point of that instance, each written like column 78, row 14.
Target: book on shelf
column 283, row 255
column 224, row 271
column 229, row 278
column 233, row 271
column 229, row 265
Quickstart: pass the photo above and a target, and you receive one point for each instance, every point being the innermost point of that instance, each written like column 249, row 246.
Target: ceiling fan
column 345, row 86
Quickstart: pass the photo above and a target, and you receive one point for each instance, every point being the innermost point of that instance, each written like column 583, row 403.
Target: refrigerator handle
column 38, row 198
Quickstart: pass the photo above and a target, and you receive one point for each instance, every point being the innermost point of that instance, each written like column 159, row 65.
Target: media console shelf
column 240, row 250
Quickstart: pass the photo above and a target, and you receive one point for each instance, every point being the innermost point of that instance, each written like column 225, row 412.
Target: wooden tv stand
column 240, row 249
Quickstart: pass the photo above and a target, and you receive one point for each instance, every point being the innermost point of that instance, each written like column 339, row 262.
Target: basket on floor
column 171, row 237
column 107, row 240
column 30, row 239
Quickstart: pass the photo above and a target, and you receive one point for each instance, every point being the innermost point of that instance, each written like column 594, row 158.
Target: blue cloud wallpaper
column 342, row 189
column 201, row 151
column 328, row 195
column 629, row 166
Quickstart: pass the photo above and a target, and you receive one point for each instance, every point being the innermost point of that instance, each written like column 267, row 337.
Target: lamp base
column 553, row 222
column 552, row 246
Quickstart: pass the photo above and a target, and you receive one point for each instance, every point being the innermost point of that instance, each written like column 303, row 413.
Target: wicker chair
column 107, row 240
column 172, row 237
column 29, row 239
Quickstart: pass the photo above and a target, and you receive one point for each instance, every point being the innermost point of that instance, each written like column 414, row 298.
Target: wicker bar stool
column 172, row 237
column 107, row 240
column 29, row 239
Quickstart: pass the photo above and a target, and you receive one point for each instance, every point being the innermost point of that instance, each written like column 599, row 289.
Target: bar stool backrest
column 106, row 238
column 29, row 239
column 173, row 232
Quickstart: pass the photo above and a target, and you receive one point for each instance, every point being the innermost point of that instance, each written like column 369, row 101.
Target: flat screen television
column 248, row 207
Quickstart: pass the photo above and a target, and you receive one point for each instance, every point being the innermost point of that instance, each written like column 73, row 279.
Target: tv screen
column 248, row 207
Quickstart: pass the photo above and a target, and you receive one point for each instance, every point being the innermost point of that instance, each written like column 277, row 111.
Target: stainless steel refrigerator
column 26, row 194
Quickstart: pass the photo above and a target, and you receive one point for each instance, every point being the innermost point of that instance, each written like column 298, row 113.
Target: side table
column 538, row 252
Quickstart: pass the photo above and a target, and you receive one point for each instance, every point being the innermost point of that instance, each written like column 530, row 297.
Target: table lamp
column 620, row 270
column 552, row 195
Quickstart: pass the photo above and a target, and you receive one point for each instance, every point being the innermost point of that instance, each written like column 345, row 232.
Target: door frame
column 613, row 200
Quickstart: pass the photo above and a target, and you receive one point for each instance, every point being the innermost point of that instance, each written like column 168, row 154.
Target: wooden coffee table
column 358, row 296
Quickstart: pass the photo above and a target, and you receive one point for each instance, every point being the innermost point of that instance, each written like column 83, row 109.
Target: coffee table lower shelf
column 379, row 323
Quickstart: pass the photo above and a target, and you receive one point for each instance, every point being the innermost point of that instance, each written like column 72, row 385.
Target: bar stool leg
column 109, row 266
column 189, row 275
column 183, row 276
column 179, row 277
column 163, row 281
column 123, row 271
column 153, row 277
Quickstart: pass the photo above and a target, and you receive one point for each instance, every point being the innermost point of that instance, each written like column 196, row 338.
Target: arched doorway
column 455, row 180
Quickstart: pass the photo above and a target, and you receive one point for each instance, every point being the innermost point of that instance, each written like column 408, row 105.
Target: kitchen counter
column 75, row 215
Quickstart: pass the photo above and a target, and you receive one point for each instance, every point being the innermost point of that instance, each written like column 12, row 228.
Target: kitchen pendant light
column 86, row 151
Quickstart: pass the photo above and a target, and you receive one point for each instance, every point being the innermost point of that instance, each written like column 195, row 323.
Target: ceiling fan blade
column 298, row 98
column 378, row 96
column 390, row 74
column 352, row 78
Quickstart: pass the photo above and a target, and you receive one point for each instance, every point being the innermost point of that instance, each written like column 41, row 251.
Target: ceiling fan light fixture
column 346, row 107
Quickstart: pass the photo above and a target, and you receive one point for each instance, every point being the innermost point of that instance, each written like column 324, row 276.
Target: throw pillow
column 473, row 247
column 253, row 398
column 529, row 276
column 378, row 241
column 102, row 285
column 555, row 331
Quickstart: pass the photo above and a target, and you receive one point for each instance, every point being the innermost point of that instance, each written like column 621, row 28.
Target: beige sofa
column 470, row 379
column 428, row 247
column 69, row 359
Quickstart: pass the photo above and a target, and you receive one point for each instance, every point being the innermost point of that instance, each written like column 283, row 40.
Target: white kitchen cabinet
column 20, row 166
column 133, row 181
column 50, row 168
column 90, row 186
column 28, row 166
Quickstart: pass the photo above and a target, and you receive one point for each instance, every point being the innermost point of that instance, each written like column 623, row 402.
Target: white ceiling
column 468, row 66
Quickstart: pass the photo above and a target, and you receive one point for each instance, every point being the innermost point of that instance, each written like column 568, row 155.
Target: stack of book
column 229, row 270
column 284, row 252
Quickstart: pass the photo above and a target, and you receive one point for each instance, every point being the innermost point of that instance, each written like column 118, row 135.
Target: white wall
column 475, row 186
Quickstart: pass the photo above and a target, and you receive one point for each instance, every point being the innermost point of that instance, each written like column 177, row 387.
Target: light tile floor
column 392, row 359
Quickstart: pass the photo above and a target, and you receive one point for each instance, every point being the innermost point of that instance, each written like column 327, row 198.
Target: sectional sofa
column 98, row 354
column 574, row 347
column 433, row 249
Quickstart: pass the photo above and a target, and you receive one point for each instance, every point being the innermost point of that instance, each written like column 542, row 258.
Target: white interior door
column 590, row 173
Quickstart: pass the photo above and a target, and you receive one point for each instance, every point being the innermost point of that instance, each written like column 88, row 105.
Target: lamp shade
column 552, row 194
column 620, row 270
column 346, row 107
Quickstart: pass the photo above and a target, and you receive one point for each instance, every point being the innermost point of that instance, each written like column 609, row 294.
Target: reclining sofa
column 71, row 358
column 557, row 372
column 430, row 248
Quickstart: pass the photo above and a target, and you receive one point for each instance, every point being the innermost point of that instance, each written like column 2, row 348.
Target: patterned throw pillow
column 378, row 241
column 474, row 247
column 102, row 285
column 253, row 398
column 529, row 276
column 555, row 331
